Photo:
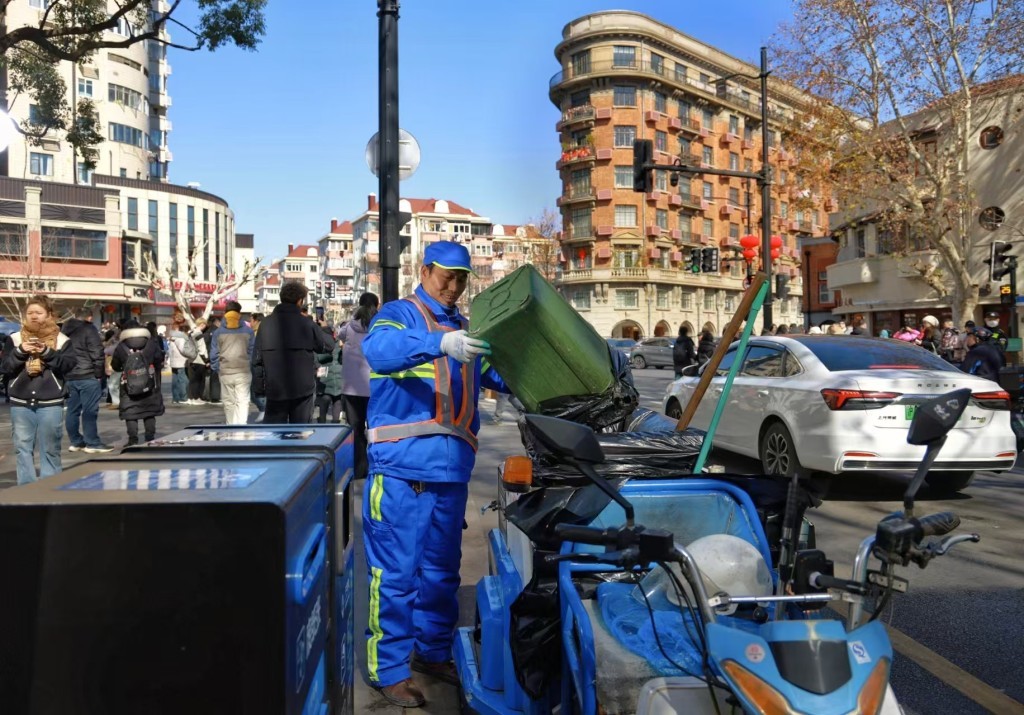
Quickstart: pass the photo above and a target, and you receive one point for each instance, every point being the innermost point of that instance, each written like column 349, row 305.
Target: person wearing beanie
column 231, row 360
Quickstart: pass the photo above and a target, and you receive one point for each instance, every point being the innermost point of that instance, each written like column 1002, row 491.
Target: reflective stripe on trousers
column 412, row 532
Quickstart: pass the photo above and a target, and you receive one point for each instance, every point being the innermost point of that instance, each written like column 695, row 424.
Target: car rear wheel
column 638, row 362
column 949, row 482
column 778, row 453
column 673, row 409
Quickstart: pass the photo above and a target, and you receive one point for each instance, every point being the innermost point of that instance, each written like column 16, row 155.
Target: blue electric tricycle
column 696, row 594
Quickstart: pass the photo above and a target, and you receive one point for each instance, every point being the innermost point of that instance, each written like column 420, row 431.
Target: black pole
column 388, row 148
column 766, row 194
column 807, row 291
column 1013, row 295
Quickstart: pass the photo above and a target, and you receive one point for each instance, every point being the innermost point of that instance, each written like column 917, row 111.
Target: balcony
column 632, row 273
column 576, row 155
column 687, row 125
column 577, row 195
column 585, row 114
column 577, row 275
column 688, row 201
column 806, row 227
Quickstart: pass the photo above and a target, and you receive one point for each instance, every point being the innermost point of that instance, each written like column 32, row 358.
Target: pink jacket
column 908, row 335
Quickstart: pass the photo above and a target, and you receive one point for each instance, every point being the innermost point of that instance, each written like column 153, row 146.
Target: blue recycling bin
column 333, row 444
column 159, row 585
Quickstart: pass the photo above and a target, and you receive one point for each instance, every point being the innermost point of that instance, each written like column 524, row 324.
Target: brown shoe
column 444, row 671
column 404, row 694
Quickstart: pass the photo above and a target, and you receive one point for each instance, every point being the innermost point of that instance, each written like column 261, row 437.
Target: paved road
column 959, row 629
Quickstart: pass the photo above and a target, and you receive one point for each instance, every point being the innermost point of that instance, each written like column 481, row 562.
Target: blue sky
column 280, row 133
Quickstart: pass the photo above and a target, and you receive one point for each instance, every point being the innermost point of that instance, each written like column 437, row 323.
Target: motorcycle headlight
column 869, row 702
column 765, row 699
column 769, row 701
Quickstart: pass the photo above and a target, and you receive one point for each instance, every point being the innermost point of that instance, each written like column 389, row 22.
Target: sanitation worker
column 425, row 379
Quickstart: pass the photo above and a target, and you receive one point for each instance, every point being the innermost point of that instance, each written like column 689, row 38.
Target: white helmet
column 728, row 564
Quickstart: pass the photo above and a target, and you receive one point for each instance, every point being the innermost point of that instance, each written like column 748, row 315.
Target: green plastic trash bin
column 541, row 346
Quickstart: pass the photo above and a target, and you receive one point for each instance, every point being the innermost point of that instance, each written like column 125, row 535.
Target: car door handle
column 762, row 393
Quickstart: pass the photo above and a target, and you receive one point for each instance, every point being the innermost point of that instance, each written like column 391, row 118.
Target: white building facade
column 129, row 89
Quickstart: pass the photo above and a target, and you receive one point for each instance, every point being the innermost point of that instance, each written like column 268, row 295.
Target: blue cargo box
column 332, row 443
column 188, row 585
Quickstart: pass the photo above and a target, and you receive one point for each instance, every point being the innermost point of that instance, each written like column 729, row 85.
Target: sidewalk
column 111, row 429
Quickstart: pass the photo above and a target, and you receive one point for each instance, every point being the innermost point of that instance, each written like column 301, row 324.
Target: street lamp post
column 388, row 132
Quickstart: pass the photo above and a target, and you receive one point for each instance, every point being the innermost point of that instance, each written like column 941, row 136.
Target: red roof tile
column 420, row 206
column 302, row 251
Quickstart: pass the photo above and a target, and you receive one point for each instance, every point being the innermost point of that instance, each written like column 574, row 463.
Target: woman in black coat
column 149, row 406
column 706, row 347
column 684, row 353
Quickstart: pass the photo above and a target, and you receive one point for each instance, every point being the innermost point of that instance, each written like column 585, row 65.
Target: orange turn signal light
column 517, row 474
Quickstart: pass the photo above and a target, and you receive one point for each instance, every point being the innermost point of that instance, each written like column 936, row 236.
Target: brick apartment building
column 626, row 76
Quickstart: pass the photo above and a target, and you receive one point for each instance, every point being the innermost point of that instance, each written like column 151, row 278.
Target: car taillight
column 857, row 399
column 997, row 400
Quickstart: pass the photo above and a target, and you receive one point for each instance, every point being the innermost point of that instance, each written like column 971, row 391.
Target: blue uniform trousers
column 412, row 532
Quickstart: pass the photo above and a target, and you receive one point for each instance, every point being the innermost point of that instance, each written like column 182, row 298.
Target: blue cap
column 448, row 254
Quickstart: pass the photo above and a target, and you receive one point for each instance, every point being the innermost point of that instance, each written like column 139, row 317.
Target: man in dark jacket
column 285, row 345
column 983, row 358
column 84, row 387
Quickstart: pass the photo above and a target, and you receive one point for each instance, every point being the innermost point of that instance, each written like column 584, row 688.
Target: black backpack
column 138, row 378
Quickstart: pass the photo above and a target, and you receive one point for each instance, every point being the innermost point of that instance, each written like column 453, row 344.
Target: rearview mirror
column 935, row 418
column 565, row 438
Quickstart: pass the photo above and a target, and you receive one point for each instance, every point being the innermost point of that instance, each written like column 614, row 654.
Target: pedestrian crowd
column 975, row 349
column 58, row 374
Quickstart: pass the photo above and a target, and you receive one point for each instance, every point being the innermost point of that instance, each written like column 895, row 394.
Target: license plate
column 909, row 411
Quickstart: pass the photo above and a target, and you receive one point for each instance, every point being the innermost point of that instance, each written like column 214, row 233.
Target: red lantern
column 775, row 253
column 136, row 310
column 750, row 242
column 776, row 242
column 749, row 254
column 109, row 309
column 581, row 254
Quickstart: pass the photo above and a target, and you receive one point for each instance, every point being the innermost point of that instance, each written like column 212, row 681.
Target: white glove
column 462, row 347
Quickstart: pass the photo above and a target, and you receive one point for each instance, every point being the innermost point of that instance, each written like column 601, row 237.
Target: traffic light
column 1006, row 295
column 781, row 286
column 709, row 261
column 695, row 260
column 329, row 289
column 999, row 262
column 319, row 288
column 643, row 153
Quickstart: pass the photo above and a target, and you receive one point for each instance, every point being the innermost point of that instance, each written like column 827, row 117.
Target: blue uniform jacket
column 399, row 343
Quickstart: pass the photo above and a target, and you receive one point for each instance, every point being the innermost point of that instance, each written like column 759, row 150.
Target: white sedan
column 843, row 403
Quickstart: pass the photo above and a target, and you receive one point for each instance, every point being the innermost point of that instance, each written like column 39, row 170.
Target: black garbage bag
column 535, row 636
column 538, row 512
column 602, row 410
column 657, row 452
